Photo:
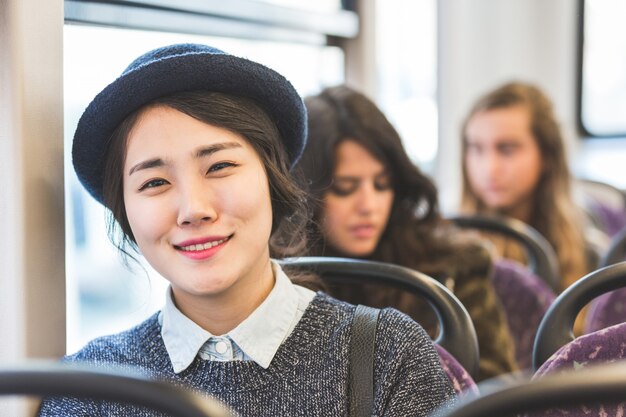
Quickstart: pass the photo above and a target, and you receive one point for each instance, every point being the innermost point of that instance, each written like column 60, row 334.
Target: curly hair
column 410, row 239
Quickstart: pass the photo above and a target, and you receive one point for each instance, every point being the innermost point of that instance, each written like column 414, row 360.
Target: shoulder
column 124, row 348
column 392, row 324
column 408, row 370
column 469, row 253
column 397, row 332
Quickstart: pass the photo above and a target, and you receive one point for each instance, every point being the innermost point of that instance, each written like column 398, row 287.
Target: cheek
column 530, row 163
column 472, row 167
column 533, row 171
column 147, row 220
column 250, row 207
column 336, row 213
column 388, row 203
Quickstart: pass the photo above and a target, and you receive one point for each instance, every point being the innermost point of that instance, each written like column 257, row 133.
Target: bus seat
column 461, row 380
column 542, row 259
column 525, row 298
column 605, row 203
column 616, row 251
column 551, row 396
column 610, row 308
column 56, row 379
column 555, row 330
column 605, row 311
column 607, row 218
column 456, row 343
column 605, row 345
column 601, row 347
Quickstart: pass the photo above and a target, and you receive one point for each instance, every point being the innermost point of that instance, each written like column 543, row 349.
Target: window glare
column 407, row 66
column 103, row 296
column 604, row 67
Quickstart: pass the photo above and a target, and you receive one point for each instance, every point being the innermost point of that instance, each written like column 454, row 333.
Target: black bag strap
column 361, row 368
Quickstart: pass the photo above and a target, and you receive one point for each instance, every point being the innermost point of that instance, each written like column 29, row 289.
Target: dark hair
column 341, row 113
column 239, row 115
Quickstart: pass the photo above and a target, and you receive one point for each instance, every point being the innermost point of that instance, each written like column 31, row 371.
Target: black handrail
column 542, row 259
column 56, row 379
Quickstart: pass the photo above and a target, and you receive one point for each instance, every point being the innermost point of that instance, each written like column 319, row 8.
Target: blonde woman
column 514, row 164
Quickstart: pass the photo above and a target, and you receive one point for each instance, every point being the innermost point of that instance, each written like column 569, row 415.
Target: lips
column 201, row 243
column 203, row 248
column 363, row 231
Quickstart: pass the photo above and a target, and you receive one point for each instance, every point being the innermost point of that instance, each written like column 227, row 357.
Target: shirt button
column 221, row 347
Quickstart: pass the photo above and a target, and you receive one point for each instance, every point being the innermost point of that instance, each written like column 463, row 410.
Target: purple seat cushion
column 525, row 298
column 606, row 345
column 611, row 219
column 461, row 380
column 607, row 310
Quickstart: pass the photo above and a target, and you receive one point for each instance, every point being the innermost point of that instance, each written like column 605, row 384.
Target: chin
column 497, row 205
column 361, row 252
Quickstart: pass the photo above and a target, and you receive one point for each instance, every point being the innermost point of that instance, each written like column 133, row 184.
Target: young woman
column 190, row 150
column 514, row 164
column 371, row 202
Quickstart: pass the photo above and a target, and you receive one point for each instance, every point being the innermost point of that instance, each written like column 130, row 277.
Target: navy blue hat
column 177, row 68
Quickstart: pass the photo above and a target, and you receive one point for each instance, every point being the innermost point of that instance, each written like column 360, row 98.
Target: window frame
column 245, row 19
column 584, row 131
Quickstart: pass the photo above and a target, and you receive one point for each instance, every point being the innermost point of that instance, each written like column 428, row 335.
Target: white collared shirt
column 257, row 338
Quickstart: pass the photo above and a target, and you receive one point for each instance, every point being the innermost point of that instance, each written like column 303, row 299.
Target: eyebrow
column 383, row 173
column 200, row 153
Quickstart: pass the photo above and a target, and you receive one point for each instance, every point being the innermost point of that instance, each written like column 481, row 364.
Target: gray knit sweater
column 307, row 377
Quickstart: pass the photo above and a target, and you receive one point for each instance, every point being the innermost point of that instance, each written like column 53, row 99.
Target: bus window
column 603, row 73
column 406, row 47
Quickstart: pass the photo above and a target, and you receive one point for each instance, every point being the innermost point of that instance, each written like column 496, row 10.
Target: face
column 503, row 158
column 357, row 206
column 198, row 203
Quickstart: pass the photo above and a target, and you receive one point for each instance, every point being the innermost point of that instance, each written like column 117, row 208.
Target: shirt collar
column 259, row 336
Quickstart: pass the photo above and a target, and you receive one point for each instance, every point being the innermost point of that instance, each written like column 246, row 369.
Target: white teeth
column 204, row 246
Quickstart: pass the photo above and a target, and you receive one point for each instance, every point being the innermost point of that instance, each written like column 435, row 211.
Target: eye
column 157, row 182
column 220, row 166
column 507, row 149
column 344, row 187
column 383, row 183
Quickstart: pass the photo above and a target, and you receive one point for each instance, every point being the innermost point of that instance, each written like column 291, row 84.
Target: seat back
column 616, row 251
column 53, row 379
column 461, row 380
column 542, row 259
column 540, row 397
column 525, row 299
column 605, row 345
column 456, row 330
column 605, row 203
column 605, row 311
column 601, row 347
column 556, row 327
column 610, row 308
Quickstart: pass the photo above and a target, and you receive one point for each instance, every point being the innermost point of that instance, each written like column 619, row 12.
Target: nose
column 366, row 198
column 491, row 165
column 196, row 205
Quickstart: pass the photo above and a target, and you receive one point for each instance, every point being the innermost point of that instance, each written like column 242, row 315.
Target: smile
column 202, row 249
column 204, row 246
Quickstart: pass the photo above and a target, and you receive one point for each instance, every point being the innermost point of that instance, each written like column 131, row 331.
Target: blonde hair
column 554, row 214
